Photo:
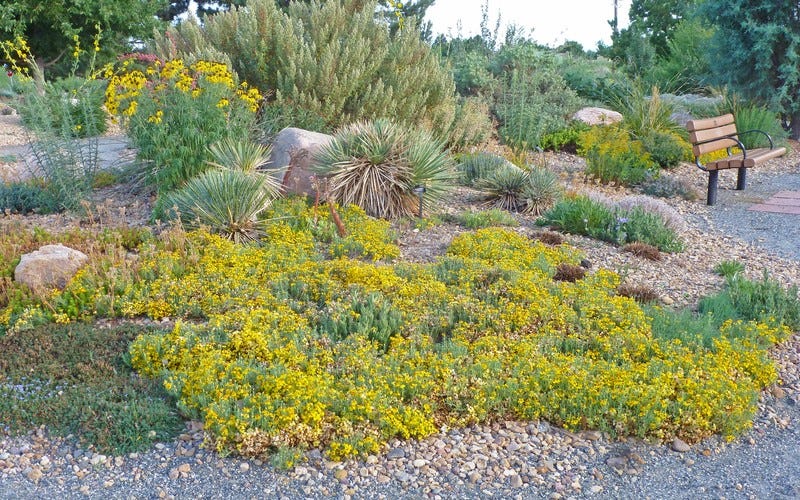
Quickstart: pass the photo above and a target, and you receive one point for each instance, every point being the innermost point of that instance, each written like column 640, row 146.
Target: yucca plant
column 505, row 187
column 224, row 201
column 542, row 190
column 476, row 166
column 237, row 154
column 246, row 156
column 377, row 165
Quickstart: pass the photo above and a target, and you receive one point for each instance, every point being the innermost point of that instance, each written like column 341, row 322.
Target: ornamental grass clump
column 378, row 165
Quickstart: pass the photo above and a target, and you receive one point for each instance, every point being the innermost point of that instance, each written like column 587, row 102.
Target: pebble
column 396, row 453
column 680, row 445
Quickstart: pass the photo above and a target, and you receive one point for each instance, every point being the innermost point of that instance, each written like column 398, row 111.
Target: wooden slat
column 759, row 156
column 717, row 121
column 708, row 147
column 712, row 133
column 754, row 157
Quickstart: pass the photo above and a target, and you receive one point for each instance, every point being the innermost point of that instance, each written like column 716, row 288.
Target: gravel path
column 507, row 459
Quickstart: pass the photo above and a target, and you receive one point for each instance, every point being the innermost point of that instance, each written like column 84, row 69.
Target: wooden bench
column 713, row 134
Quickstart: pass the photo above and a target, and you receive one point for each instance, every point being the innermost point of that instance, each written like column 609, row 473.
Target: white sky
column 549, row 22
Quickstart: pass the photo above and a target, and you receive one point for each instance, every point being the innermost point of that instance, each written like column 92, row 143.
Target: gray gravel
column 777, row 233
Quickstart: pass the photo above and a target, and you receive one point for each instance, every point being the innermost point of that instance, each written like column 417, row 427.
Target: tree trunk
column 796, row 125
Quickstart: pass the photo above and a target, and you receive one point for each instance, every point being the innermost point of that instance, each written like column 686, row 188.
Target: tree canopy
column 759, row 42
column 51, row 26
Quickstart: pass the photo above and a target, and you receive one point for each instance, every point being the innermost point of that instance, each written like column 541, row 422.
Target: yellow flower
column 223, row 103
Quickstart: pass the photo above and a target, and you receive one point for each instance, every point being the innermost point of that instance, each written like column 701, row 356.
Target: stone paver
column 782, row 202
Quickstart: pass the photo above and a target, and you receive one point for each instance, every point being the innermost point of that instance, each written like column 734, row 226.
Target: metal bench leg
column 713, row 179
column 741, row 181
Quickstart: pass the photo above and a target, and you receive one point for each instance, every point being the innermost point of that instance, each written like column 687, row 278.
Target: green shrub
column 72, row 107
column 328, row 60
column 476, row 166
column 612, row 156
column 226, row 201
column 532, row 104
column 643, row 114
column 582, row 215
column 565, row 139
column 666, row 148
column 765, row 301
column 376, row 165
column 173, row 113
column 26, row 197
column 472, row 219
column 752, row 117
column 472, row 124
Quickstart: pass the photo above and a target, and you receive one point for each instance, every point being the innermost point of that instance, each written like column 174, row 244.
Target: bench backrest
column 708, row 129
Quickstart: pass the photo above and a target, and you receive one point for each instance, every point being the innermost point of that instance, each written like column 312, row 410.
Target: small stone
column 84, row 489
column 516, row 481
column 592, row 435
column 420, row 462
column 667, row 300
column 340, row 474
column 474, row 477
column 396, row 453
column 707, row 452
column 184, row 468
column 680, row 445
column 44, row 461
column 108, row 484
column 244, row 467
column 372, row 459
column 596, row 489
column 383, row 478
column 689, row 462
column 118, row 461
column 174, row 474
column 778, row 393
column 618, row 463
column 35, row 474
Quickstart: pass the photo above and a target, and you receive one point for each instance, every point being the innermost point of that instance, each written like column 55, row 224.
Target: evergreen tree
column 757, row 44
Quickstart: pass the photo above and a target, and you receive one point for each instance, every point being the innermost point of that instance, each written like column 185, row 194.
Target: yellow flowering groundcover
column 296, row 349
column 311, row 339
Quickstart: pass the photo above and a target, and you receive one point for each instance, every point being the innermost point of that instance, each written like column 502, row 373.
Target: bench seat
column 754, row 157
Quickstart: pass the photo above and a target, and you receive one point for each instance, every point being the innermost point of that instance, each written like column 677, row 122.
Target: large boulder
column 52, row 266
column 597, row 116
column 293, row 149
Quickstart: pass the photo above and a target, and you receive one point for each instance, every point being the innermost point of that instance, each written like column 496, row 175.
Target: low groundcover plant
column 287, row 345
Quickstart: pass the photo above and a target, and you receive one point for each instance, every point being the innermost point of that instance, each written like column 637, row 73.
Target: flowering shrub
column 174, row 112
column 611, row 155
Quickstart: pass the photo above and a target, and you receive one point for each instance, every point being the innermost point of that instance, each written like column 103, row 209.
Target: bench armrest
column 729, row 136
column 769, row 138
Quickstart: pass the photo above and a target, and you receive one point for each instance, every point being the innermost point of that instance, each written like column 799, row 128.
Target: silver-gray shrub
column 333, row 60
